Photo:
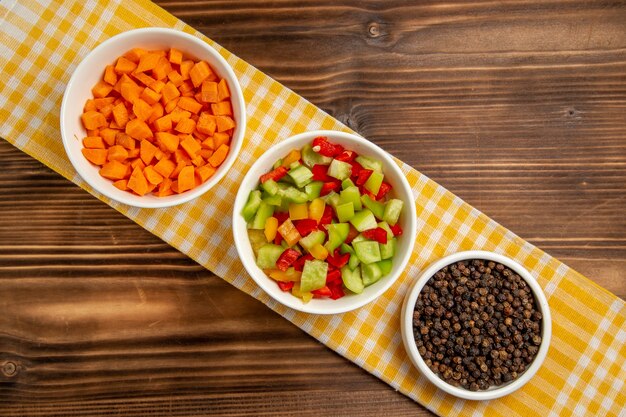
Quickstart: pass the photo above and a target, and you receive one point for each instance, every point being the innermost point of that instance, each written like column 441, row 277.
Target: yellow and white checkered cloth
column 584, row 372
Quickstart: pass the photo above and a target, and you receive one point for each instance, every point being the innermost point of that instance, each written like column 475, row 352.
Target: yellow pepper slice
column 271, row 226
column 316, row 209
column 298, row 211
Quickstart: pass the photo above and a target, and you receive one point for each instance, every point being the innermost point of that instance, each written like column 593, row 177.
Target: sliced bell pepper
column 364, row 174
column 346, row 156
column 333, row 277
column 396, row 229
column 289, row 275
column 338, row 260
column 356, row 169
column 289, row 232
column 286, row 259
column 330, row 186
column 320, row 172
column 298, row 265
column 278, row 239
column 379, row 235
column 336, row 290
column 305, row 226
column 383, row 190
column 352, row 233
column 281, row 216
column 327, row 217
column 285, row 286
column 275, row 175
column 322, row 146
column 322, row 292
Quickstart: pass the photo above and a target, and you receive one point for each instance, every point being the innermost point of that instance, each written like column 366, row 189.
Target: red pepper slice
column 320, row 172
column 322, row 292
column 383, row 190
column 322, row 146
column 287, row 258
column 281, row 216
column 330, row 186
column 365, row 191
column 278, row 239
column 327, row 217
column 275, row 175
column 352, row 233
column 299, row 263
column 364, row 174
column 336, row 291
column 285, row 286
column 346, row 156
column 305, row 226
column 379, row 235
column 333, row 277
column 338, row 260
column 356, row 169
column 396, row 229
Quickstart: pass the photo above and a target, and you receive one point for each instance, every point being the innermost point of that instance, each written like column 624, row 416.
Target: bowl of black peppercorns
column 476, row 324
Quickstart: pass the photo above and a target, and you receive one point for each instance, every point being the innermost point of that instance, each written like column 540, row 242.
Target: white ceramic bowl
column 416, row 358
column 401, row 190
column 90, row 71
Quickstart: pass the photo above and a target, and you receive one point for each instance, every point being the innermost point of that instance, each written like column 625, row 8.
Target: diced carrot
column 159, row 154
column 208, row 143
column 103, row 102
column 206, row 124
column 191, row 146
column 121, row 184
column 209, row 92
column 108, row 135
column 186, row 87
column 174, row 186
column 163, row 124
column 185, row 126
column 147, row 151
column 199, row 135
column 181, row 156
column 218, row 156
column 179, row 166
column 205, row 153
column 200, row 72
column 157, row 112
column 175, row 78
column 90, row 105
column 138, row 129
column 171, row 105
column 129, row 170
column 135, row 54
column 101, row 89
column 222, row 108
column 94, row 142
column 107, row 111
column 222, row 90
column 157, row 86
column 152, row 176
column 133, row 153
column 198, row 161
column 117, row 153
column 137, row 182
column 143, row 78
column 125, row 66
column 205, row 172
column 125, row 140
column 130, row 91
column 185, row 67
column 165, row 188
column 137, row 163
column 186, row 180
column 122, row 80
column 113, row 170
column 148, row 62
column 93, row 120
column 178, row 114
column 224, row 123
column 220, row 139
column 167, row 141
column 95, row 156
column 176, row 56
column 94, row 132
column 110, row 76
column 165, row 167
column 190, row 104
column 162, row 68
column 169, row 92
column 150, row 96
column 120, row 115
column 142, row 110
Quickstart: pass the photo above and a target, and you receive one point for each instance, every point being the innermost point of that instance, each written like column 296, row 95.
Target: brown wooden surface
column 519, row 108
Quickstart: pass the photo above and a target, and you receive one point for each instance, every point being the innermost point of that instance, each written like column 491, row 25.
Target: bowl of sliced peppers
column 324, row 222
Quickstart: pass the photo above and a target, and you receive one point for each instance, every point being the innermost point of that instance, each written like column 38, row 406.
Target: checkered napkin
column 584, row 372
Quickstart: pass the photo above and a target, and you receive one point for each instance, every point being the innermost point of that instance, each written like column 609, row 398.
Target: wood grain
column 518, row 107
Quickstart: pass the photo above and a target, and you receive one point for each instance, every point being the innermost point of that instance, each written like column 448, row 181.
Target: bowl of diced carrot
column 153, row 118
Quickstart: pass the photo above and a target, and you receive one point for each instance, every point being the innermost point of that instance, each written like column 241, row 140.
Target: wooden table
column 518, row 108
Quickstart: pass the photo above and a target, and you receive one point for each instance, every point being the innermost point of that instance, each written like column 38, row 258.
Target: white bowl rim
column 237, row 140
column 267, row 283
column 418, row 361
